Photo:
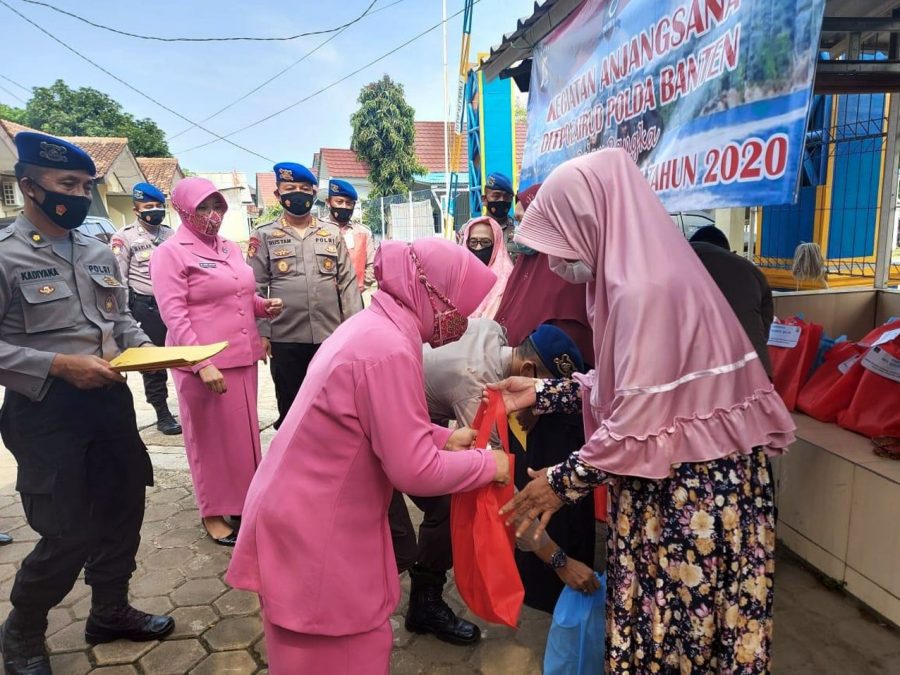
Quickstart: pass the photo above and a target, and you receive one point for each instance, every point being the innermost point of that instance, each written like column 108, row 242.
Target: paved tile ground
column 218, row 629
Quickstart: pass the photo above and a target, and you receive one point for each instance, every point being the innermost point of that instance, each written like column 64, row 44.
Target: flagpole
column 446, row 121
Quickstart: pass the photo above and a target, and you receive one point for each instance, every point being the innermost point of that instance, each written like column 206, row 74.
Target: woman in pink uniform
column 315, row 542
column 206, row 293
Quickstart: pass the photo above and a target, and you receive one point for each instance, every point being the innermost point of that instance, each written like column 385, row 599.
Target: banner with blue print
column 710, row 97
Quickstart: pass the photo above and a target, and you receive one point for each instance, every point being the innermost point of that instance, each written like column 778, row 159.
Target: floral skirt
column 691, row 569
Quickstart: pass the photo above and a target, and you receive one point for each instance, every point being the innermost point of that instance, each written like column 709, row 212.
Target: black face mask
column 66, row 211
column 153, row 217
column 341, row 215
column 484, row 254
column 499, row 210
column 297, row 203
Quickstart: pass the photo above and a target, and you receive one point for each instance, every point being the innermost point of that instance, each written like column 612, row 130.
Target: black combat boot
column 165, row 422
column 428, row 613
column 22, row 643
column 120, row 621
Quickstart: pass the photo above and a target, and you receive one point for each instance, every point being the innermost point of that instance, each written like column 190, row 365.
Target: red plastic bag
column 484, row 563
column 875, row 408
column 878, row 333
column 793, row 344
column 600, row 504
column 832, row 386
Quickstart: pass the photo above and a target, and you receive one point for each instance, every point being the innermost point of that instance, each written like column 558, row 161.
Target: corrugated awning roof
column 519, row 44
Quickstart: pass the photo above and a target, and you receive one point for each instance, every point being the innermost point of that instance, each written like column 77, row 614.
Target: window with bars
column 10, row 198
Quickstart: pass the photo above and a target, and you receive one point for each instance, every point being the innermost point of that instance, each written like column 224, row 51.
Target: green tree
column 60, row 110
column 7, row 112
column 383, row 137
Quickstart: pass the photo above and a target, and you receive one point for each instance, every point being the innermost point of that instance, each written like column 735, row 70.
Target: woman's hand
column 536, row 501
column 518, row 393
column 213, row 379
column 578, row 576
column 461, row 439
column 502, row 460
column 274, row 307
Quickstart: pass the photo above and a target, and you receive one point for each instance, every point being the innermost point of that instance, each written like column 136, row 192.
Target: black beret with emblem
column 51, row 152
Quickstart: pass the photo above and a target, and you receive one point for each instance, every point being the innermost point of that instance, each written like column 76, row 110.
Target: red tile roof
column 343, row 163
column 430, row 146
column 104, row 151
column 265, row 188
column 12, row 128
column 160, row 171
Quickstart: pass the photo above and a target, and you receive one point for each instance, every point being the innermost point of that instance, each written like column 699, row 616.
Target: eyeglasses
column 477, row 244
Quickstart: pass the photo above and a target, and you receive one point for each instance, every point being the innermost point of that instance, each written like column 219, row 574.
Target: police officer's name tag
column 881, row 363
column 784, row 335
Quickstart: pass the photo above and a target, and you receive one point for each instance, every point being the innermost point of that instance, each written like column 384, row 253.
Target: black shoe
column 24, row 652
column 229, row 539
column 168, row 425
column 124, row 622
column 428, row 613
column 5, row 539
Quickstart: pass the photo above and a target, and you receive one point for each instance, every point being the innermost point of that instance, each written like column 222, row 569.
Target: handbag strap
column 491, row 414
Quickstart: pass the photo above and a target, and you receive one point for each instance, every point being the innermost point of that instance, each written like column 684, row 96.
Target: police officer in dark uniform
column 133, row 245
column 67, row 417
column 304, row 261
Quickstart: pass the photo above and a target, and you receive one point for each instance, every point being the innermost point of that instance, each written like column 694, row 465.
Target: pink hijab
column 676, row 378
column 188, row 194
column 452, row 270
column 501, row 265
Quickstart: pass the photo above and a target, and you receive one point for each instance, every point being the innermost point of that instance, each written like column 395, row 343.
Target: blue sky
column 198, row 79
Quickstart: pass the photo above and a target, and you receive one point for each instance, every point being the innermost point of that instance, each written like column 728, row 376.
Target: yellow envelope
column 156, row 358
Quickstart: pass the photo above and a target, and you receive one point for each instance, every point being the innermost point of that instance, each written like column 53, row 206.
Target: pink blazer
column 315, row 541
column 207, row 296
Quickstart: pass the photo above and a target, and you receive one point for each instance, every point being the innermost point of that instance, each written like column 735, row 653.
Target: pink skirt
column 361, row 654
column 221, row 437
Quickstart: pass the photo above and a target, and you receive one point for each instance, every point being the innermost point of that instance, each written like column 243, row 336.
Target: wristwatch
column 559, row 559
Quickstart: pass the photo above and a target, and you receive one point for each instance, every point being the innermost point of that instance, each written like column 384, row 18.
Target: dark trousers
column 432, row 551
column 146, row 313
column 289, row 363
column 82, row 474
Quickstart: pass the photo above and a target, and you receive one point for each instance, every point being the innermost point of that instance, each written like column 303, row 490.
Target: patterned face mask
column 449, row 324
column 207, row 224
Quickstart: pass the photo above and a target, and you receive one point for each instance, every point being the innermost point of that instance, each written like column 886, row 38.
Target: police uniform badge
column 35, row 236
column 331, row 248
column 46, row 290
column 110, row 304
column 565, row 365
column 328, row 264
column 116, row 249
column 323, row 233
column 53, row 152
column 276, row 233
column 286, row 174
column 111, row 281
column 252, row 247
column 281, row 252
column 282, row 266
column 144, row 255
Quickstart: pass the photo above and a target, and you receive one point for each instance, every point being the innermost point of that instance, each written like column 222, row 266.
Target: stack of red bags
column 858, row 385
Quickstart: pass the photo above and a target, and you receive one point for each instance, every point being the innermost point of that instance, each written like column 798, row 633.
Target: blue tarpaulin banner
column 710, row 97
